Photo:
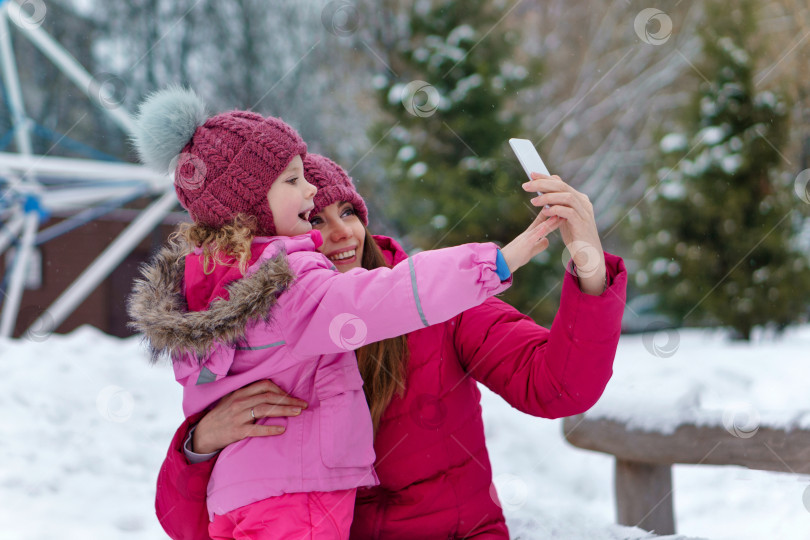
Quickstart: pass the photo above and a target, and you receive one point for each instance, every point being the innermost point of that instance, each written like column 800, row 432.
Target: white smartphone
column 528, row 157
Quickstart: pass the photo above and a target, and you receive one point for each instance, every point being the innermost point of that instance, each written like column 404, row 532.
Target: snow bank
column 697, row 377
column 85, row 422
column 84, row 425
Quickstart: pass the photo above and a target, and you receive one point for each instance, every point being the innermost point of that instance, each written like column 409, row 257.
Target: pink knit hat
column 223, row 165
column 333, row 185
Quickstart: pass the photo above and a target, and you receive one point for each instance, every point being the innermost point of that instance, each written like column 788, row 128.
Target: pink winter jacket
column 432, row 463
column 305, row 345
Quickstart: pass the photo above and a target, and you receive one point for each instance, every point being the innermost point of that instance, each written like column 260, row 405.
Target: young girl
column 243, row 295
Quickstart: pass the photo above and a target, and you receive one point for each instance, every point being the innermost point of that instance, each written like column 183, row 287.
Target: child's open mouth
column 305, row 215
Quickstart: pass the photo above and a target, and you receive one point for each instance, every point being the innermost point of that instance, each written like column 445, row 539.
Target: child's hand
column 530, row 242
column 231, row 420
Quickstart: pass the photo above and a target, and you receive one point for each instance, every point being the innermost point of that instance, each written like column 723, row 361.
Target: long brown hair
column 382, row 364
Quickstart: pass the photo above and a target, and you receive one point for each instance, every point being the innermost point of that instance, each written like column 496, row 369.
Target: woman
column 432, row 462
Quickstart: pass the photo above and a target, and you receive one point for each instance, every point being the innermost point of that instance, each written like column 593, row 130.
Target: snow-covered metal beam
column 22, row 134
column 80, row 169
column 83, row 197
column 11, row 303
column 11, row 229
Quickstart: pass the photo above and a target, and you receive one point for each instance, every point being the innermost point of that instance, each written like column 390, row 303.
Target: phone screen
column 529, row 158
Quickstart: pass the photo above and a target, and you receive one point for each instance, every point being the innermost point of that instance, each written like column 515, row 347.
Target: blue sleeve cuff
column 501, row 268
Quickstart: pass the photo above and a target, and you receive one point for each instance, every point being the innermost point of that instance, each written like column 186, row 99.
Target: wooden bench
column 644, row 459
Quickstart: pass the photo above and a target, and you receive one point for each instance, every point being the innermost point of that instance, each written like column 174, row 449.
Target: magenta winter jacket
column 434, row 471
column 305, row 345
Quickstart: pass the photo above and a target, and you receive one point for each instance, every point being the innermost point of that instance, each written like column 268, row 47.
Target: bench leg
column 644, row 496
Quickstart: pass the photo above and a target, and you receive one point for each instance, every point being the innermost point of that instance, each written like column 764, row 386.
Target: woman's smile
column 344, row 256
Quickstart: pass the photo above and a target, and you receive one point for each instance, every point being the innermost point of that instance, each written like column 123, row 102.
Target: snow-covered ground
column 84, row 425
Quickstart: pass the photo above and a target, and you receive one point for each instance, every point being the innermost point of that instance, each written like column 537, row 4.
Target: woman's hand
column 577, row 226
column 231, row 421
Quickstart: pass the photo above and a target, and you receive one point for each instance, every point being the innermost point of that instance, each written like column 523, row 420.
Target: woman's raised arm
column 564, row 370
column 548, row 373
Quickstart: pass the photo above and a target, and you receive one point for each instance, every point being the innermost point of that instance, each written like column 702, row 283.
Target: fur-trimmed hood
column 158, row 308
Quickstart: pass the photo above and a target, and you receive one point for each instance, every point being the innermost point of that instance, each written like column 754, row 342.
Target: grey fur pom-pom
column 166, row 121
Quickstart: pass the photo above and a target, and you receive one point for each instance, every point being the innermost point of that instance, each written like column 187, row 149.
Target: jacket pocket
column 346, row 432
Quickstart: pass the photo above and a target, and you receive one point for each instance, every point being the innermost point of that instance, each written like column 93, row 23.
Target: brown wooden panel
column 64, row 259
column 644, row 496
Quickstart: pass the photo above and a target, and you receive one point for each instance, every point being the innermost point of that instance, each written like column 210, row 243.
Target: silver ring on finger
column 252, row 415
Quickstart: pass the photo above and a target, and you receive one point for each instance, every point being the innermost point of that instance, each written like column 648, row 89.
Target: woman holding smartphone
column 432, row 462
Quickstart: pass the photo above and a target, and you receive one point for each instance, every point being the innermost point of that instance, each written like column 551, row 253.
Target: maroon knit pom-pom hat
column 223, row 165
column 333, row 184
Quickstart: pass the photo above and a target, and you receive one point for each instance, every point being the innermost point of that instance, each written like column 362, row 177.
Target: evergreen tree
column 451, row 175
column 718, row 233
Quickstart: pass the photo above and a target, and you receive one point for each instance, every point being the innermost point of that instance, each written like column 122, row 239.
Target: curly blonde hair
column 232, row 239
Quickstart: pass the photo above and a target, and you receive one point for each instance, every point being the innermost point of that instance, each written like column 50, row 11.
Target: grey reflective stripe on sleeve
column 416, row 292
column 260, row 347
column 206, row 376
